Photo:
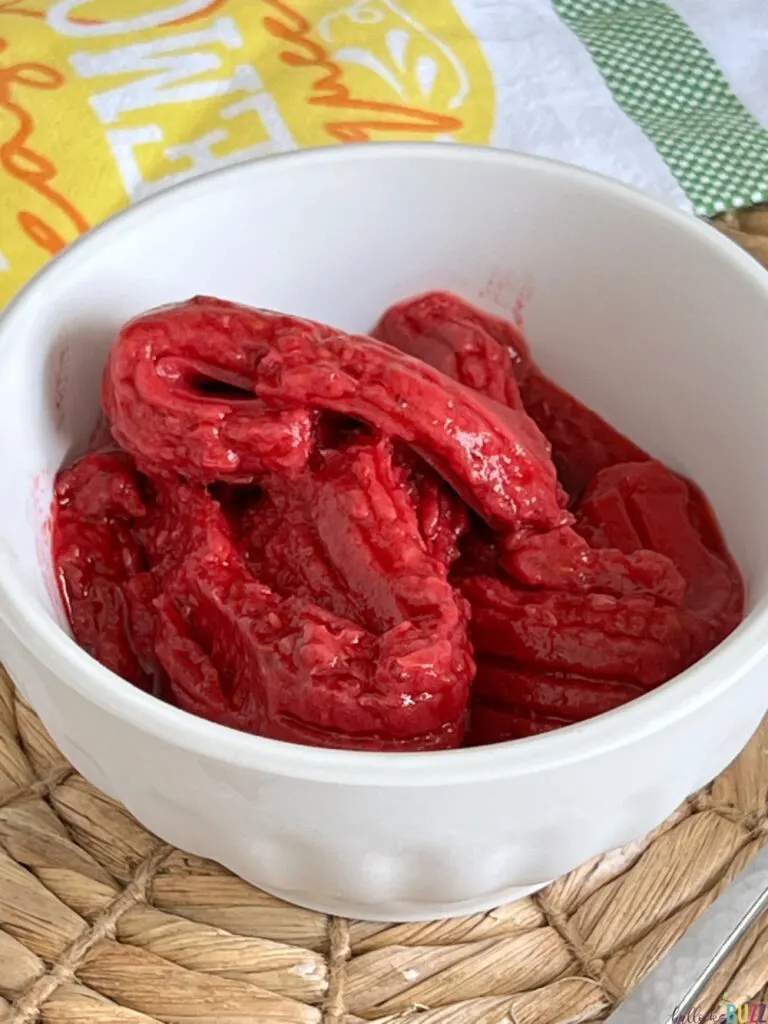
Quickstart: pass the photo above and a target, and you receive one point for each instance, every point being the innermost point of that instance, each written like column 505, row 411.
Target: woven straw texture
column 101, row 922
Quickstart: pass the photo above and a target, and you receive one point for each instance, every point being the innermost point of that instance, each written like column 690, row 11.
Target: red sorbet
column 407, row 541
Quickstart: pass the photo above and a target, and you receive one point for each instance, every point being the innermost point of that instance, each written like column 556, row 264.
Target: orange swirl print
column 329, row 89
column 21, row 161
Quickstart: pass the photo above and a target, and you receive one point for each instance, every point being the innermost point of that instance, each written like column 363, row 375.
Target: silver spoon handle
column 720, row 956
column 694, row 959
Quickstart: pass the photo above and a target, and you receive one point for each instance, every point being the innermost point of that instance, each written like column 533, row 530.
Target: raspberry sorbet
column 407, row 541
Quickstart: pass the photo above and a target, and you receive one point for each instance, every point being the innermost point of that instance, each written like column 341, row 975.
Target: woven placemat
column 102, row 922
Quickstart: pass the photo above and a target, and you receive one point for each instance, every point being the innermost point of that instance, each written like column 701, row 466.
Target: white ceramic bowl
column 644, row 313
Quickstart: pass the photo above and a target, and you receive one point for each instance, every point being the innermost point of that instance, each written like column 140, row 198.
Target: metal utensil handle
column 695, row 957
column 722, row 953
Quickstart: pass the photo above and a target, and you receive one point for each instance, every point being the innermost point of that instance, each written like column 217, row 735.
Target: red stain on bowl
column 41, row 512
column 510, row 292
column 62, row 373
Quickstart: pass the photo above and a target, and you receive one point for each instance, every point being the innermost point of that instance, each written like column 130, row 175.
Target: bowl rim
column 661, row 709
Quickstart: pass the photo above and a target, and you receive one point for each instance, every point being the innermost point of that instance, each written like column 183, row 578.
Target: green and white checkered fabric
column 666, row 80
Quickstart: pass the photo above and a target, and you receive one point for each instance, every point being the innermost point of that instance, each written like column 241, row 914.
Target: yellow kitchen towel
column 108, row 101
column 104, row 102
